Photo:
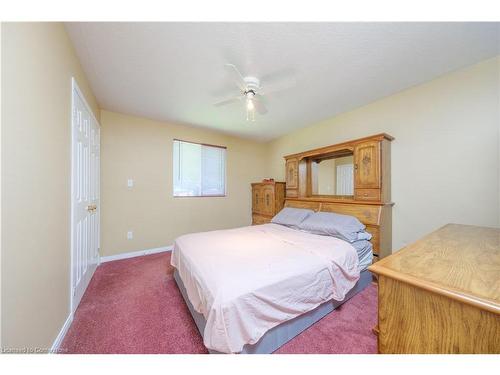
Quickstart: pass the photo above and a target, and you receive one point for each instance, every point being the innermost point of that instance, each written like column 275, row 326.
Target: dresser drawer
column 367, row 194
column 260, row 219
column 441, row 286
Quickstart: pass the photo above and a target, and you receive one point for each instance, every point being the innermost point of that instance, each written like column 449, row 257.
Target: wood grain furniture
column 371, row 198
column 268, row 199
column 442, row 293
column 375, row 217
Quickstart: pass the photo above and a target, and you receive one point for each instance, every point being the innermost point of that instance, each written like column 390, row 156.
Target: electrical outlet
column 130, row 235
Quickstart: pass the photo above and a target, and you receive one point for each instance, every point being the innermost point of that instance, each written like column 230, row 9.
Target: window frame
column 225, row 171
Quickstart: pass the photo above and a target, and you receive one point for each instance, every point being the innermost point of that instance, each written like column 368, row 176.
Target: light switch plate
column 130, row 183
column 130, row 235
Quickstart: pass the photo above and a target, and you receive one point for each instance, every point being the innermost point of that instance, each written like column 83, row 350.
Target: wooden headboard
column 370, row 201
column 377, row 218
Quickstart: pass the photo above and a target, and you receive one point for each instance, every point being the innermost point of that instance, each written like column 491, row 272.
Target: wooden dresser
column 268, row 199
column 442, row 293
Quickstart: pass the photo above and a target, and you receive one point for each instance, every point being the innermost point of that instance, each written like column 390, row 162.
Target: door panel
column 257, row 199
column 85, row 197
column 268, row 200
column 367, row 165
column 292, row 173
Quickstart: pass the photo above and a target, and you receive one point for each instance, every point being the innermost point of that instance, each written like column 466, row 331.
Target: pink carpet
column 134, row 306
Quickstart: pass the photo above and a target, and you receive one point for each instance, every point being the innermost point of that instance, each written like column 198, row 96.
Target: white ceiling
column 175, row 71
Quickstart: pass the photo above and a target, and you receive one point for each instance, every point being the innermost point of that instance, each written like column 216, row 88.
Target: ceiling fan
column 252, row 92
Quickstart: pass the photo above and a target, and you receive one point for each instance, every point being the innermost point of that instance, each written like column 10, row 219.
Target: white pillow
column 291, row 217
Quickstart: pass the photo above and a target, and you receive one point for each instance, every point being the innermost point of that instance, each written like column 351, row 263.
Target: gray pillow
column 362, row 247
column 365, row 253
column 344, row 227
column 291, row 217
column 364, row 236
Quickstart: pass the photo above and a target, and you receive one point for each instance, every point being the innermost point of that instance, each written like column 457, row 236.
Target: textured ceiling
column 175, row 71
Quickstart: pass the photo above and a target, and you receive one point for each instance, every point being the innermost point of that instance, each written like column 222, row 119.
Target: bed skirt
column 284, row 332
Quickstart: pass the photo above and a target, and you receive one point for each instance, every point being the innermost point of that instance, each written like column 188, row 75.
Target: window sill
column 200, row 196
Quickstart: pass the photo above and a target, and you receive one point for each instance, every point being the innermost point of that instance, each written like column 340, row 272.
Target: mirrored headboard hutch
column 351, row 178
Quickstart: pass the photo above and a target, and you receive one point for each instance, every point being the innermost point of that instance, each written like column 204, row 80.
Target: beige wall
column 326, row 175
column 140, row 149
column 38, row 62
column 445, row 163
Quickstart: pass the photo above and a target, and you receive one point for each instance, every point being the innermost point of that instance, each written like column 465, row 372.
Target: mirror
column 334, row 176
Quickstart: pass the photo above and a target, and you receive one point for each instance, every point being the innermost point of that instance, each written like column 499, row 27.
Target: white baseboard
column 62, row 333
column 134, row 254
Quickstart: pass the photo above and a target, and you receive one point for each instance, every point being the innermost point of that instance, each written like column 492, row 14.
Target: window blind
column 199, row 170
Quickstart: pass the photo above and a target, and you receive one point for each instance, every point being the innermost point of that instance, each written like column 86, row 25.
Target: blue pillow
column 362, row 247
column 345, row 227
column 291, row 217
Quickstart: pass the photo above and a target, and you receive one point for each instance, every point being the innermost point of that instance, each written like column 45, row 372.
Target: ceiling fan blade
column 259, row 105
column 238, row 78
column 234, row 99
column 281, row 85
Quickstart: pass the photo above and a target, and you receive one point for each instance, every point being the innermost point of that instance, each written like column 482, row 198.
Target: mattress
column 284, row 332
column 246, row 281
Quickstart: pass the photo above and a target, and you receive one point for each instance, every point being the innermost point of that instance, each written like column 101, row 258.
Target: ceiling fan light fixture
column 250, row 105
column 251, row 92
column 250, row 110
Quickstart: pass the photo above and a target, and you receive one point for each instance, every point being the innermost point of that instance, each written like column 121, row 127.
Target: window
column 199, row 170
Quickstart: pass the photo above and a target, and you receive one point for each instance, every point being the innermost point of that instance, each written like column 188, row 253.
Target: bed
column 252, row 289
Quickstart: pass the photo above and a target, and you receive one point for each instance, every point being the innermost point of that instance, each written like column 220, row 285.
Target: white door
column 345, row 179
column 84, row 196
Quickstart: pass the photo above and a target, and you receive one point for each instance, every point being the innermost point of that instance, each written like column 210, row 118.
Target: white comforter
column 247, row 280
